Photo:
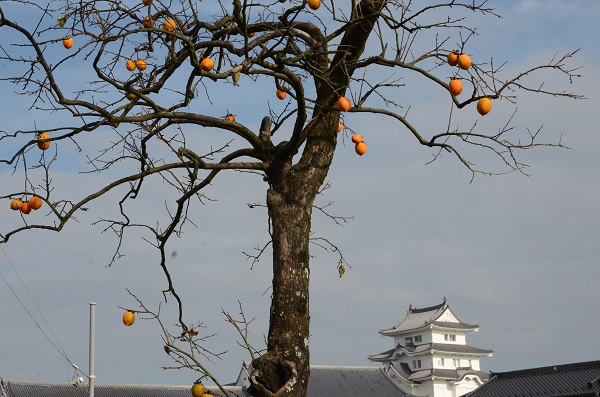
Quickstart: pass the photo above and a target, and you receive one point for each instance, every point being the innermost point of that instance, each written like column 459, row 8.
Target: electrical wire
column 58, row 348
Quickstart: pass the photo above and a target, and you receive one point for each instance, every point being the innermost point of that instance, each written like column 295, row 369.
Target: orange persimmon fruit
column 16, row 204
column 35, row 203
column 148, row 22
column 344, row 104
column 207, row 64
column 25, row 208
column 455, row 87
column 484, row 105
column 197, row 389
column 67, row 42
column 128, row 318
column 280, row 94
column 464, row 61
column 169, row 25
column 45, row 138
column 360, row 148
column 141, row 64
column 314, row 4
column 453, row 58
column 130, row 65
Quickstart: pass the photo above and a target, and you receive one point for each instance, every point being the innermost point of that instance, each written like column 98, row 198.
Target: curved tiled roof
column 433, row 308
column 428, row 348
column 455, row 326
column 569, row 380
column 417, row 319
column 383, row 356
column 448, row 374
column 407, row 375
column 460, row 349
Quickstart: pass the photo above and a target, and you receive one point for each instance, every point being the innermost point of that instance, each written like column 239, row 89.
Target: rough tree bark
column 284, row 369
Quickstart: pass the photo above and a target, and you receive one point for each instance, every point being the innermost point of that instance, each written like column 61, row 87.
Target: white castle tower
column 431, row 356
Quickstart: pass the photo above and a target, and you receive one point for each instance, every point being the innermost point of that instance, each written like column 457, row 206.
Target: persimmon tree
column 142, row 68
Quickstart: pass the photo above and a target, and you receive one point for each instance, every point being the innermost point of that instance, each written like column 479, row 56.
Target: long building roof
column 20, row 388
column 568, row 380
column 324, row 381
column 328, row 381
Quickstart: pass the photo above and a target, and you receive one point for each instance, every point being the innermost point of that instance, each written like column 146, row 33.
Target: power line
column 60, row 350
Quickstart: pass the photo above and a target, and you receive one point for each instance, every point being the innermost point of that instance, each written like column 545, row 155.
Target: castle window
column 408, row 339
column 441, row 362
column 456, row 362
column 418, row 338
column 416, row 363
column 451, row 338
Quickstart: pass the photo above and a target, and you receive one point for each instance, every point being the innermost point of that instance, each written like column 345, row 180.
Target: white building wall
column 425, row 338
column 447, row 317
column 440, row 337
column 423, row 390
column 443, row 388
column 413, row 362
column 467, row 385
column 448, row 361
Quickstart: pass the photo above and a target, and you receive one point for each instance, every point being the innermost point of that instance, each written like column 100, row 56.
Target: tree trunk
column 283, row 371
column 285, row 368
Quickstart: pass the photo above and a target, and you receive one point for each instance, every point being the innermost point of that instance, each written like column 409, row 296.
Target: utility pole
column 91, row 376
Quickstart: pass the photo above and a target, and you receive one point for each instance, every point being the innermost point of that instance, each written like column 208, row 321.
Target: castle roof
column 429, row 348
column 569, row 380
column 438, row 317
column 404, row 373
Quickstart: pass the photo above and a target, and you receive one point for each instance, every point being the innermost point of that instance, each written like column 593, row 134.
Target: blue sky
column 516, row 254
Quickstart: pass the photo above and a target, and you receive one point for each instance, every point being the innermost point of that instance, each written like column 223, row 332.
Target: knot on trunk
column 272, row 376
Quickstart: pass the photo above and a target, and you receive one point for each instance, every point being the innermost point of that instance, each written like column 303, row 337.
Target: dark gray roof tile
column 460, row 349
column 351, row 382
column 458, row 326
column 325, row 381
column 18, row 388
column 569, row 380
column 413, row 350
column 417, row 319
